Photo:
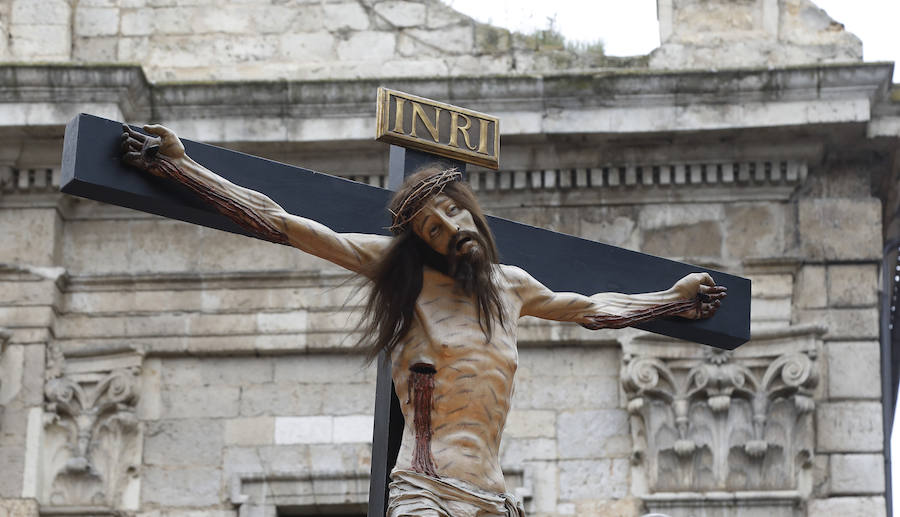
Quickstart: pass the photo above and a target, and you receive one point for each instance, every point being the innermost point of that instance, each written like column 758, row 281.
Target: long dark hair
column 396, row 279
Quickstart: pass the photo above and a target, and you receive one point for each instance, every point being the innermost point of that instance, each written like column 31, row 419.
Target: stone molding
column 707, row 420
column 776, row 503
column 541, row 104
column 92, row 437
column 260, row 494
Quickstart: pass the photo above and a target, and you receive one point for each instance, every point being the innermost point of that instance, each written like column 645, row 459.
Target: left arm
column 695, row 296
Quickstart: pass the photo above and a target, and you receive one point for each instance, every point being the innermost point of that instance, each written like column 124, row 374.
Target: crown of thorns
column 414, row 202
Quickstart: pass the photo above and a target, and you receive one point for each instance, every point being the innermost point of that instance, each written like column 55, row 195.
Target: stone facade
column 157, row 369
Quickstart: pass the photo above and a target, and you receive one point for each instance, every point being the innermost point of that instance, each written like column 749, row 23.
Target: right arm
column 164, row 156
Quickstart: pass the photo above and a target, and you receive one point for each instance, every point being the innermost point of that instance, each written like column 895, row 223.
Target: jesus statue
column 445, row 312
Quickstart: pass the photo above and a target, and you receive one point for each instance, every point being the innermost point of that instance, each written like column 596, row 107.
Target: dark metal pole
column 888, row 384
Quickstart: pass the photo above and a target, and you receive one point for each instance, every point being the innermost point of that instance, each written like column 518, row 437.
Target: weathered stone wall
column 156, row 368
column 749, row 33
column 270, row 40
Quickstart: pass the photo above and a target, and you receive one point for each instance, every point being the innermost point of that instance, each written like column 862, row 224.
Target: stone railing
column 28, row 180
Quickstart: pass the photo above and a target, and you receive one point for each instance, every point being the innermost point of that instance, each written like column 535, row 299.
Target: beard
column 467, row 262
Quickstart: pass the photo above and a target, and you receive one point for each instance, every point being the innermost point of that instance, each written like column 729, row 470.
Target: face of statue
column 447, row 228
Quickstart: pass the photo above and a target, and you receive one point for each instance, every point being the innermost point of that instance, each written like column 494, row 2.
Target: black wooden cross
column 92, row 168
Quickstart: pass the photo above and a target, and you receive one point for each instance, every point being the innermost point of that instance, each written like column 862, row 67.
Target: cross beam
column 92, row 168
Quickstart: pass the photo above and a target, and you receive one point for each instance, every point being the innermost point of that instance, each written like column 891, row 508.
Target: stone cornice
column 606, row 101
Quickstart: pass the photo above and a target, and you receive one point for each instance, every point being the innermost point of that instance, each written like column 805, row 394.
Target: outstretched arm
column 695, row 296
column 163, row 155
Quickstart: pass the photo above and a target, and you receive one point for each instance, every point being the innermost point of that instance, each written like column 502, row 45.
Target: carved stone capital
column 705, row 419
column 91, row 430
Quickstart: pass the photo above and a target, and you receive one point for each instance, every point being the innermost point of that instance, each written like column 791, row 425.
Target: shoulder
column 514, row 276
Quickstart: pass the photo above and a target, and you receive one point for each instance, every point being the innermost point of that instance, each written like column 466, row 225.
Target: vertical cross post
column 388, row 428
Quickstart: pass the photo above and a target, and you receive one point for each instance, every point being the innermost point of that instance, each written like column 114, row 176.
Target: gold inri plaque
column 435, row 127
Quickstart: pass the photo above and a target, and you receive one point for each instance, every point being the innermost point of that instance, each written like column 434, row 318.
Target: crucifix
column 452, row 341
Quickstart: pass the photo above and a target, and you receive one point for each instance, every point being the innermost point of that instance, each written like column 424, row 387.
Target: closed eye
column 452, row 210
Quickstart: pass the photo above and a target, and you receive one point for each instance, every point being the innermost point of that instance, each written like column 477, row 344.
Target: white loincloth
column 417, row 495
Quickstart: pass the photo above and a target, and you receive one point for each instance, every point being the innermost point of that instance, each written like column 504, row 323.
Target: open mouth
column 463, row 243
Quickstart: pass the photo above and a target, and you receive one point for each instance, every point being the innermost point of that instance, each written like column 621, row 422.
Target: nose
column 448, row 223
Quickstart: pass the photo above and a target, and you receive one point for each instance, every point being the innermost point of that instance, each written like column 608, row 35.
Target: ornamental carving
column 91, row 451
column 720, row 421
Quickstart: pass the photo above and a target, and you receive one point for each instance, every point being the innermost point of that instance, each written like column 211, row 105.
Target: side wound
column 421, row 386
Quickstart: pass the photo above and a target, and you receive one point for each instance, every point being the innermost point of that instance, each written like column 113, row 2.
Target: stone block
column 440, row 15
column 400, row 14
column 226, row 19
column 324, row 369
column 293, row 458
column 40, row 12
column 13, row 426
column 847, row 507
column 545, row 482
column 292, row 321
column 186, row 441
column 30, row 235
column 149, row 406
column 593, row 434
column 281, row 399
column 593, row 479
column 857, row 474
column 19, row 508
column 515, row 451
column 842, row 323
column 250, row 431
column 39, row 42
column 849, row 427
column 13, row 461
column 184, row 486
column 353, row 429
column 840, row 229
column 668, row 215
column 810, row 289
column 702, row 239
column 854, row 369
column 340, row 457
column 346, row 399
column 199, row 402
column 458, row 39
column 227, row 371
column 852, row 285
column 568, row 362
column 491, row 40
column 560, row 393
column 97, row 49
column 137, row 22
column 303, row 430
column 96, row 21
column 530, row 423
column 754, row 230
column 345, row 16
column 367, row 46
column 769, row 309
column 772, row 285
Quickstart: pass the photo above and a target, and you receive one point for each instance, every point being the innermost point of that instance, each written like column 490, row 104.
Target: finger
column 157, row 130
column 706, row 279
column 130, row 143
column 133, row 158
column 133, row 133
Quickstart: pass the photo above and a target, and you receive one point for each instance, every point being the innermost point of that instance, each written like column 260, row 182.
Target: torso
column 473, row 380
